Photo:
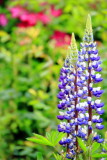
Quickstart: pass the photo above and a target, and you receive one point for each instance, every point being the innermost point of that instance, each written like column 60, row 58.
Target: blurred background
column 34, row 36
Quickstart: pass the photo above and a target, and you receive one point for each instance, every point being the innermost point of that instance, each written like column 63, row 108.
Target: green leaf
column 54, row 137
column 80, row 157
column 95, row 146
column 104, row 145
column 106, row 136
column 57, row 156
column 40, row 140
column 82, row 145
column 39, row 156
column 51, row 139
column 89, row 141
column 98, row 155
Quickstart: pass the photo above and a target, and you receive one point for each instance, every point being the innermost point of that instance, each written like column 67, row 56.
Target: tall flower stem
column 89, row 95
column 76, row 101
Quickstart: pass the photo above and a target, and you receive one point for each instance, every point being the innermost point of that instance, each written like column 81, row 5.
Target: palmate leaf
column 40, row 140
column 39, row 156
column 51, row 138
column 82, row 145
column 99, row 155
column 54, row 137
column 95, row 146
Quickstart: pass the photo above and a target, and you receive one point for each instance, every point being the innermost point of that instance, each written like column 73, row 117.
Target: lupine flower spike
column 89, row 55
column 70, row 96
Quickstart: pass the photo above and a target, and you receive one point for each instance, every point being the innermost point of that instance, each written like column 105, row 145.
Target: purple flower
column 89, row 56
column 79, row 100
column 71, row 92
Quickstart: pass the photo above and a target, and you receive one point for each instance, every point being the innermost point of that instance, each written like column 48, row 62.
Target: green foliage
column 57, row 157
column 51, row 139
column 104, row 145
column 54, row 137
column 95, row 146
column 97, row 155
column 82, row 144
column 29, row 71
column 39, row 156
column 40, row 140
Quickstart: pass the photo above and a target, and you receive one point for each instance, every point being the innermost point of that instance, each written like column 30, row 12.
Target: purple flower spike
column 70, row 95
column 79, row 105
column 89, row 51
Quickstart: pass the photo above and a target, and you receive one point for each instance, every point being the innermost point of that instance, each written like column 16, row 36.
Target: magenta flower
column 45, row 19
column 29, row 18
column 3, row 20
column 17, row 11
column 61, row 38
column 55, row 12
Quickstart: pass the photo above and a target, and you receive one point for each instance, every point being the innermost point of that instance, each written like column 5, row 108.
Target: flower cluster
column 78, row 106
column 60, row 38
column 73, row 110
column 28, row 18
column 93, row 66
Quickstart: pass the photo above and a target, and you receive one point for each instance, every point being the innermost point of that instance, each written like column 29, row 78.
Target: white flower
column 87, row 114
column 98, row 109
column 61, row 113
column 89, row 123
column 68, row 87
column 94, row 48
column 83, row 64
column 90, row 84
column 80, row 92
column 98, row 75
column 86, row 56
column 76, row 120
column 93, row 72
column 97, row 89
column 94, row 63
column 89, row 98
column 81, row 115
column 98, row 101
column 83, row 78
column 84, row 88
column 92, row 103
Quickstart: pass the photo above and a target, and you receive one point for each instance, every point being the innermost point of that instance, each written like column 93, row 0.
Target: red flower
column 17, row 11
column 30, row 19
column 23, row 24
column 55, row 12
column 61, row 38
column 43, row 18
column 3, row 20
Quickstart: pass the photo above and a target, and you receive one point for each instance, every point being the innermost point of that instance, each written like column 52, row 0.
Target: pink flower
column 55, row 12
column 30, row 18
column 17, row 11
column 3, row 20
column 43, row 18
column 61, row 38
